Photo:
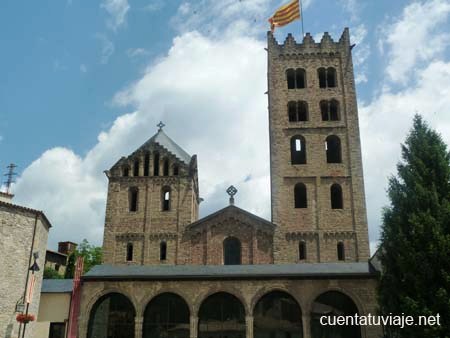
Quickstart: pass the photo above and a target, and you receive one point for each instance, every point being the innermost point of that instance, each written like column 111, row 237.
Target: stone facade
column 143, row 232
column 18, row 227
column 320, row 225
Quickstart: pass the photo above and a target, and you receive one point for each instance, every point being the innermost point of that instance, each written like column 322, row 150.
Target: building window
column 333, row 149
column 296, row 78
column 297, row 111
column 156, row 165
column 165, row 198
column 166, row 167
column 125, row 171
column 300, row 196
column 167, row 315
column 336, row 197
column 176, row 170
column 298, row 150
column 329, row 110
column 231, row 251
column 302, row 250
column 146, row 164
column 57, row 330
column 327, row 77
column 136, row 168
column 340, row 251
column 112, row 316
column 129, row 252
column 133, row 198
column 162, row 251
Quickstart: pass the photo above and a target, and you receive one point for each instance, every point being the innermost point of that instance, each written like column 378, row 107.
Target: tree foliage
column 415, row 240
column 92, row 256
column 50, row 273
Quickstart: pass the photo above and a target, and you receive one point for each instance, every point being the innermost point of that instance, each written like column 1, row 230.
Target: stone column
column 193, row 327
column 306, row 326
column 249, row 326
column 138, row 321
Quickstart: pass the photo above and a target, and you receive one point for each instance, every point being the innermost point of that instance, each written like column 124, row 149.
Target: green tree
column 92, row 256
column 50, row 273
column 415, row 239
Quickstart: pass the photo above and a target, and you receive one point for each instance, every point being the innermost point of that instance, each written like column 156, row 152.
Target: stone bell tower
column 152, row 196
column 317, row 185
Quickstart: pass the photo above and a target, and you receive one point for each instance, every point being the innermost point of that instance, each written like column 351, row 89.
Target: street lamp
column 33, row 268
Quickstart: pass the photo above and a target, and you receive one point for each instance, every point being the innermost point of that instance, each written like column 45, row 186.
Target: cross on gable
column 160, row 125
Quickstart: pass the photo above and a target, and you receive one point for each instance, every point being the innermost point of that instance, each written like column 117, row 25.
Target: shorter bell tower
column 152, row 196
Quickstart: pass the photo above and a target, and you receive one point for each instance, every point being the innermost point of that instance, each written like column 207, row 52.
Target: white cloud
column 154, row 6
column 419, row 35
column 210, row 94
column 117, row 9
column 107, row 48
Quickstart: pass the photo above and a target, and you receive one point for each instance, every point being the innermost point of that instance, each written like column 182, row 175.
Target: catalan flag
column 285, row 14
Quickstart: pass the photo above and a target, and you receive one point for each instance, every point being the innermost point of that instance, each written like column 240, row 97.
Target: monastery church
column 232, row 274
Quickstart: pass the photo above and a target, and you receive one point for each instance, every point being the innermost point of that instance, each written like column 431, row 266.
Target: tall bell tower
column 317, row 185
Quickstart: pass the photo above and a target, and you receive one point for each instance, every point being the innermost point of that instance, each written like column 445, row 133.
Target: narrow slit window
column 129, row 252
column 136, row 168
column 133, row 199
column 302, row 251
column 176, row 170
column 146, row 164
column 162, row 251
column 156, row 165
column 166, row 167
column 126, row 171
column 340, row 251
column 166, row 199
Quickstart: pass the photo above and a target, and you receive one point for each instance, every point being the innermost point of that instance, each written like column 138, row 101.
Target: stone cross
column 160, row 125
column 232, row 191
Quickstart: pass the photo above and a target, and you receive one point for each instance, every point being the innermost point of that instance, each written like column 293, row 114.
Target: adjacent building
column 23, row 241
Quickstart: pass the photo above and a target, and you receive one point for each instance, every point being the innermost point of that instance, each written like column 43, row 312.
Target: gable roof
column 166, row 142
column 231, row 209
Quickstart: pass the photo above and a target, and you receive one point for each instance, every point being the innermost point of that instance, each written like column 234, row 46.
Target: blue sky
column 85, row 82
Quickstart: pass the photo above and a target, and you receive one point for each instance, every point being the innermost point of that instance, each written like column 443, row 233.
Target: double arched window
column 300, row 196
column 329, row 110
column 333, row 149
column 296, row 78
column 297, row 111
column 298, row 150
column 232, row 251
column 327, row 77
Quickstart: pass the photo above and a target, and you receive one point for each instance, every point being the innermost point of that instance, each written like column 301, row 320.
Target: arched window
column 300, row 78
column 333, row 149
column 136, row 168
column 332, row 304
column 176, row 170
column 165, row 198
column 221, row 315
column 302, row 250
column 327, row 77
column 126, row 171
column 300, row 196
column 331, row 77
column 156, row 164
column 129, row 252
column 112, row 316
column 231, row 251
column 298, row 150
column 133, row 193
column 290, row 77
column 277, row 314
column 322, row 73
column 329, row 110
column 146, row 164
column 340, row 251
column 166, row 167
column 167, row 315
column 336, row 196
column 162, row 251
column 297, row 111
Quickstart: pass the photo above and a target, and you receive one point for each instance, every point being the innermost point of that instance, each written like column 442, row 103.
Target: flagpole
column 301, row 17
